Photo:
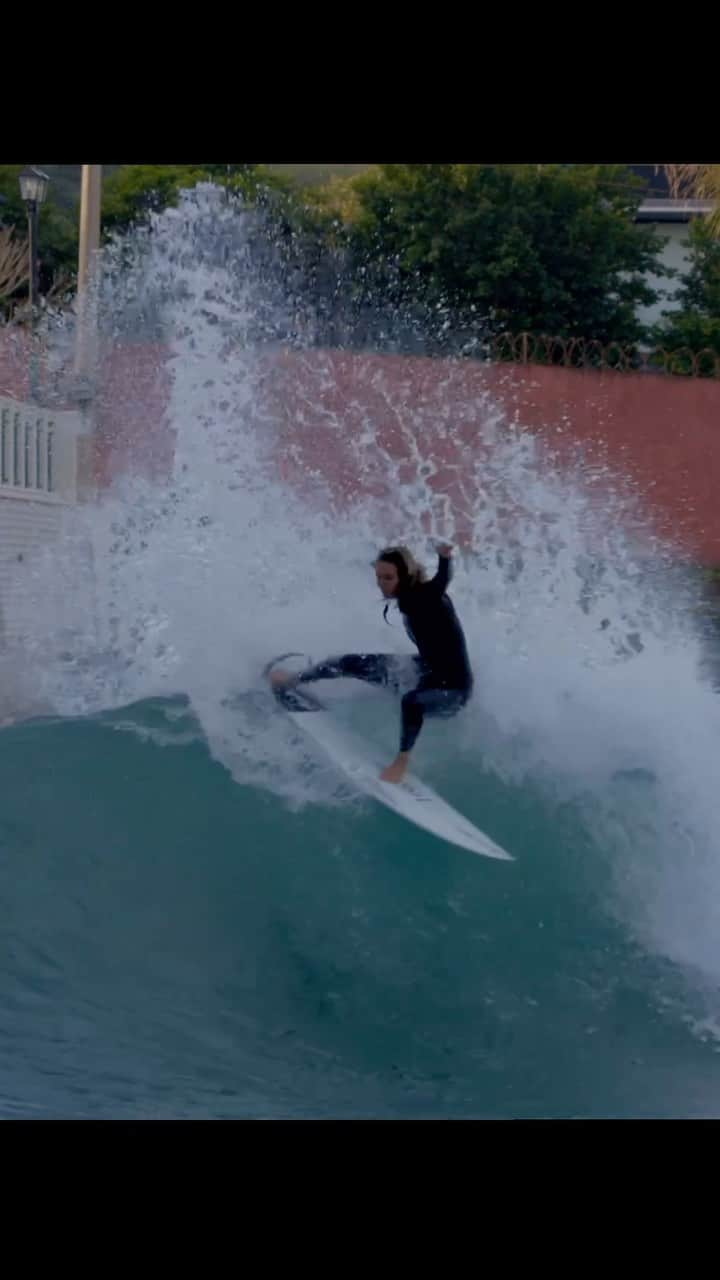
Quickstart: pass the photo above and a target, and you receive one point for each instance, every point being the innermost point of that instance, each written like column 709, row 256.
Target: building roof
column 658, row 205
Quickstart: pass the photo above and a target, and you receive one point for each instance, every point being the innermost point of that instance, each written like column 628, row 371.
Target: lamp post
column 33, row 189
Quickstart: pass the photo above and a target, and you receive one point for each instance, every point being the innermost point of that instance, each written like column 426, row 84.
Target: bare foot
column 281, row 679
column 396, row 771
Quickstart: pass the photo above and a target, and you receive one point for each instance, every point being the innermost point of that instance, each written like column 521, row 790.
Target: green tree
column 695, row 323
column 548, row 248
column 225, row 172
column 136, row 190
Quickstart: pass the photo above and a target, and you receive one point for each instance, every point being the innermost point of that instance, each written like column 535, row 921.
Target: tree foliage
column 137, row 190
column 550, row 248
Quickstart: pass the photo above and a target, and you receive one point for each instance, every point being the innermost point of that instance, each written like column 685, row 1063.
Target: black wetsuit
column 442, row 670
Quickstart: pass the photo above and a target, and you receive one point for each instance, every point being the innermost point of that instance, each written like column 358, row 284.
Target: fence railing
column 585, row 353
column 38, row 457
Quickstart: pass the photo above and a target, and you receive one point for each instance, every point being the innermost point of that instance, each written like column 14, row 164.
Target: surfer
column 442, row 673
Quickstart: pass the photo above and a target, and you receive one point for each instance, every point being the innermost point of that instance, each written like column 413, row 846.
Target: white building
column 672, row 219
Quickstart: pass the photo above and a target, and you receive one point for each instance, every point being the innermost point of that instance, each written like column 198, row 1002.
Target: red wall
column 132, row 432
column 660, row 435
column 14, row 363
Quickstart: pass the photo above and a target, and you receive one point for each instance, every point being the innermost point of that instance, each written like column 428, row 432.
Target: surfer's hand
column 282, row 679
column 444, row 549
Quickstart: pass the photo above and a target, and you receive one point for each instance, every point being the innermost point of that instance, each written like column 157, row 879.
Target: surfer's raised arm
column 444, row 574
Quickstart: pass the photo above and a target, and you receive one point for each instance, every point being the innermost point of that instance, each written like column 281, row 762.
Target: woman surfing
column 444, row 679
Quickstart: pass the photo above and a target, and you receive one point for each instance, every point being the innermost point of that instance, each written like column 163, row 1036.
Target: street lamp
column 33, row 189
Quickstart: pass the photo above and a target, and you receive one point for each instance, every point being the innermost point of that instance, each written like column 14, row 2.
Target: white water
column 193, row 590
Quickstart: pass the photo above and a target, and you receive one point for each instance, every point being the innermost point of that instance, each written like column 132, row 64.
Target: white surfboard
column 412, row 799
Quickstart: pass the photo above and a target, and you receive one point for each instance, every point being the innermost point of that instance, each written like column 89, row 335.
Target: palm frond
column 696, row 182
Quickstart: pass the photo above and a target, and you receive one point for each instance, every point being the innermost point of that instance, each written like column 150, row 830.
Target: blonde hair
column 409, row 571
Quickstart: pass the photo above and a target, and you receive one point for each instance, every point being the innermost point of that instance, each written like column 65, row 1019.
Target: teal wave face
column 177, row 944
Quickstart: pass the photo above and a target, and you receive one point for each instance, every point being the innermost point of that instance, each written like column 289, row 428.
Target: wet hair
column 410, row 573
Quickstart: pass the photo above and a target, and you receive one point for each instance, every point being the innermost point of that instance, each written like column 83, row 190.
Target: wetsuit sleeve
column 443, row 577
column 328, row 670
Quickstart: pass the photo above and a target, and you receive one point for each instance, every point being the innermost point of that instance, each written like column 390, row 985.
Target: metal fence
column 585, row 353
